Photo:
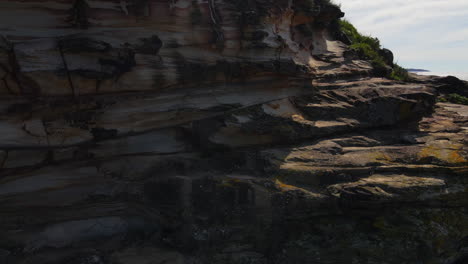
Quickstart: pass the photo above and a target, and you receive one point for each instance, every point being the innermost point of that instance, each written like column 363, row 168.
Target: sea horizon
column 459, row 75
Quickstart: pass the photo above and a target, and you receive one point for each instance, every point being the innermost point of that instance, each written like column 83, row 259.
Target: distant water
column 459, row 75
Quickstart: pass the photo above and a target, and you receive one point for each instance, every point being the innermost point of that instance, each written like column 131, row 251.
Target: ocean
column 459, row 75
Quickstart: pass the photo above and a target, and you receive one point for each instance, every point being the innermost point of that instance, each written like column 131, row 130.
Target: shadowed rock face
column 179, row 131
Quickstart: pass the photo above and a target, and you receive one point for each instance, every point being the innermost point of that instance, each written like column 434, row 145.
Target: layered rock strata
column 177, row 131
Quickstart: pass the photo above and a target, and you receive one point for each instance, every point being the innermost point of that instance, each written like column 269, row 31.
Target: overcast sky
column 428, row 34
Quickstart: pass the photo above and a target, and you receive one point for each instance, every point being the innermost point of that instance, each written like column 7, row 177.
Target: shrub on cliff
column 357, row 38
column 369, row 48
column 455, row 99
column 399, row 73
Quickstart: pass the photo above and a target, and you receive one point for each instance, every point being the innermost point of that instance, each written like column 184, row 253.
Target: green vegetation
column 399, row 74
column 455, row 98
column 369, row 48
column 356, row 38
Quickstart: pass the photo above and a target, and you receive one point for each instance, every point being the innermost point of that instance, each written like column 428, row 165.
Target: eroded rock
column 141, row 131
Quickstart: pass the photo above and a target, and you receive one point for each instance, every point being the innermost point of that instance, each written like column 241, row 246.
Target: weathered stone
column 227, row 131
column 75, row 45
column 25, row 158
column 4, row 255
column 159, row 142
column 64, row 234
column 147, row 255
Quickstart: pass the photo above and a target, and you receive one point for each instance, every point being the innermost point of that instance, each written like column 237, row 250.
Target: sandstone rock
column 184, row 131
column 62, row 235
column 383, row 187
column 24, row 158
column 147, row 255
column 4, row 255
column 161, row 142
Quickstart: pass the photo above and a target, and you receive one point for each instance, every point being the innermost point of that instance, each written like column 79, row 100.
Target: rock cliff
column 218, row 131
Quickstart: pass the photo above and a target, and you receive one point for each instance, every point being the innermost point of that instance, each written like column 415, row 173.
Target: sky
column 424, row 34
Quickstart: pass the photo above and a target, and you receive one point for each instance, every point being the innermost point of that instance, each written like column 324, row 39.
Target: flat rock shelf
column 218, row 131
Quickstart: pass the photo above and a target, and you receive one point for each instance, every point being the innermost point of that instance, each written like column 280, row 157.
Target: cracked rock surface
column 218, row 131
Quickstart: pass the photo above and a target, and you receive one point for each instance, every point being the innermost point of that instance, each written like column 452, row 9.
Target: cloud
column 420, row 32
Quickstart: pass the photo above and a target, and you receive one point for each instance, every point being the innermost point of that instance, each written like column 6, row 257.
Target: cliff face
column 219, row 131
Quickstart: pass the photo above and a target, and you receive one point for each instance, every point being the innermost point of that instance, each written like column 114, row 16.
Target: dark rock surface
column 179, row 131
column 388, row 56
column 451, row 84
